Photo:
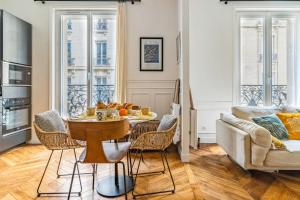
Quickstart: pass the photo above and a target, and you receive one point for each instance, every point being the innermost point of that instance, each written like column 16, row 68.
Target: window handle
column 89, row 76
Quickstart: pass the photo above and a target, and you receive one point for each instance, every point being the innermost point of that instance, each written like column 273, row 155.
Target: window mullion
column 90, row 57
column 268, row 61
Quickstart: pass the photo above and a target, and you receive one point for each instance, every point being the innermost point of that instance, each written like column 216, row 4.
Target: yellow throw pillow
column 278, row 143
column 292, row 123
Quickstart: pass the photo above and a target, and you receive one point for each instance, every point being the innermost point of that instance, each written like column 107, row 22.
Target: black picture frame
column 159, row 67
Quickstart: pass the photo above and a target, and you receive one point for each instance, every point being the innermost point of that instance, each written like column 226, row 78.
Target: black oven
column 15, row 74
column 16, row 109
column 15, row 80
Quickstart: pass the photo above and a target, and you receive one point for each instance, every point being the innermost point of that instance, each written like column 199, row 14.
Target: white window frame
column 56, row 99
column 293, row 74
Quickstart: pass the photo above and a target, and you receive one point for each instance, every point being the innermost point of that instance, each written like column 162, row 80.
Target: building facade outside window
column 69, row 47
column 267, row 46
column 102, row 25
column 69, row 25
column 88, row 59
column 101, row 52
column 102, row 80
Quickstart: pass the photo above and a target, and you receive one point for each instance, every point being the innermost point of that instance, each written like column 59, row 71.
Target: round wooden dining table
column 113, row 186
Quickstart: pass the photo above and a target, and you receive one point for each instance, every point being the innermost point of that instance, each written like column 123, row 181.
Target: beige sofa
column 250, row 145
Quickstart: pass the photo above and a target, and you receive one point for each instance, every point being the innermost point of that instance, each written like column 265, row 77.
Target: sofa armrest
column 260, row 139
column 235, row 142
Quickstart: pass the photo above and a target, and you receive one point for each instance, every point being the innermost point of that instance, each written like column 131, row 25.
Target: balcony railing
column 253, row 95
column 77, row 97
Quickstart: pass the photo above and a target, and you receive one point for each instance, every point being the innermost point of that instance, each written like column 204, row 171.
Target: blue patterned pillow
column 273, row 124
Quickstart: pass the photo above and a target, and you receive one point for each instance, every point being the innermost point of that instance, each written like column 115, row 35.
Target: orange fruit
column 123, row 112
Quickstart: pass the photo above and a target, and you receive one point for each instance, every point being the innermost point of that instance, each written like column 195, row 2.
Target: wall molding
column 151, row 84
column 208, row 113
column 157, row 94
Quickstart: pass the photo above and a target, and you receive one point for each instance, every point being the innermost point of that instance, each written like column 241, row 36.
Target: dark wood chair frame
column 95, row 133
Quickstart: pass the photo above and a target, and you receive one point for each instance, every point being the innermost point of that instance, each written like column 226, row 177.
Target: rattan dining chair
column 143, row 127
column 155, row 141
column 55, row 140
column 97, row 149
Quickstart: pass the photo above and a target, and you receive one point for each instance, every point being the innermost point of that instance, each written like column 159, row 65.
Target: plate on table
column 151, row 116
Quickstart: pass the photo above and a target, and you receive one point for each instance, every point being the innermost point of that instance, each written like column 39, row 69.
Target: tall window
column 267, row 58
column 81, row 81
column 101, row 52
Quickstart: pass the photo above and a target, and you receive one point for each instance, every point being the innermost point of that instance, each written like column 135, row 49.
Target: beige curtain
column 121, row 53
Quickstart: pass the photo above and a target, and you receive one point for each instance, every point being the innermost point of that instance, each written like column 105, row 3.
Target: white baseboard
column 207, row 137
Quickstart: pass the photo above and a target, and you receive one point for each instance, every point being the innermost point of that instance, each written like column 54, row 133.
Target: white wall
column 152, row 18
column 211, row 62
column 149, row 18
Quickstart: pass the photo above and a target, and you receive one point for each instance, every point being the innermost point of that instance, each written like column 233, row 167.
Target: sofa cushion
column 50, row 121
column 292, row 145
column 258, row 134
column 282, row 159
column 273, row 124
column 292, row 124
column 167, row 122
column 247, row 113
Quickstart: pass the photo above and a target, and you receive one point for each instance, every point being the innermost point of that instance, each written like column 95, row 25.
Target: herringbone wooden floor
column 209, row 175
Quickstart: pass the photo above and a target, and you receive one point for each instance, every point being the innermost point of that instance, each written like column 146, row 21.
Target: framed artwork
column 151, row 53
column 178, row 47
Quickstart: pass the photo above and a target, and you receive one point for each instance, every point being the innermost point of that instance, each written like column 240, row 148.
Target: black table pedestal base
column 108, row 188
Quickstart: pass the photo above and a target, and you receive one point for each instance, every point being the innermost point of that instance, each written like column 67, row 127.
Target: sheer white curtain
column 121, row 53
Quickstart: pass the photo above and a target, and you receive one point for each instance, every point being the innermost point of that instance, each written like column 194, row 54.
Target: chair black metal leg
column 154, row 172
column 124, row 175
column 170, row 172
column 50, row 193
column 138, row 168
column 78, row 170
column 72, row 179
column 136, row 174
column 135, row 155
column 143, row 158
column 94, row 172
column 38, row 189
column 57, row 171
column 164, row 157
column 130, row 164
column 60, row 175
